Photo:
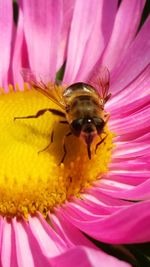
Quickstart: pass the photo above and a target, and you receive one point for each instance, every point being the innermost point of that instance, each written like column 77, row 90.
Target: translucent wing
column 49, row 89
column 101, row 82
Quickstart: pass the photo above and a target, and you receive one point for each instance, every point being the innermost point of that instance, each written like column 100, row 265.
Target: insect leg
column 106, row 117
column 52, row 139
column 99, row 143
column 41, row 112
column 64, row 122
column 64, row 147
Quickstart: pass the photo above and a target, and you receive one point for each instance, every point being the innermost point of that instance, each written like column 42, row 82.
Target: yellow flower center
column 31, row 181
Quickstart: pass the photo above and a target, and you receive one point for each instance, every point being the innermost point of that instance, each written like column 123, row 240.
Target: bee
column 81, row 106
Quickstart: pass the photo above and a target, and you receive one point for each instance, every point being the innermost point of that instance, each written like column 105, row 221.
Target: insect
column 80, row 105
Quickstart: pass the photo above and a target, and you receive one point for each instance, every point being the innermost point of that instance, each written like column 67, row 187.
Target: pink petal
column 42, row 26
column 137, row 89
column 79, row 31
column 68, row 7
column 24, row 256
column 89, row 211
column 107, row 186
column 86, row 32
column 130, row 171
column 73, row 237
column 97, row 205
column 139, row 192
column 45, row 239
column 137, row 124
column 107, row 201
column 125, row 27
column 69, row 233
column 6, row 244
column 128, row 225
column 18, row 52
column 130, row 150
column 55, row 237
column 132, row 178
column 98, row 38
column 132, row 65
column 136, row 165
column 127, row 108
column 6, row 28
column 40, row 258
column 142, row 138
column 87, row 257
column 8, row 250
column 20, row 248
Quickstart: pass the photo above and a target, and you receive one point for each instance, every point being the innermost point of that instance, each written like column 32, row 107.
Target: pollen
column 32, row 180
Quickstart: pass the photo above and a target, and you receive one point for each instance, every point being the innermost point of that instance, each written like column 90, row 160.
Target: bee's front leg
column 52, row 138
column 41, row 112
column 99, row 143
column 45, row 148
column 64, row 147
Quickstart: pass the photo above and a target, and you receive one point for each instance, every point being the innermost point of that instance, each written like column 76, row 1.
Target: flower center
column 33, row 181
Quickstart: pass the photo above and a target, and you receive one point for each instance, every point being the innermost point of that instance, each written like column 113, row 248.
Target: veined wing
column 49, row 89
column 101, row 81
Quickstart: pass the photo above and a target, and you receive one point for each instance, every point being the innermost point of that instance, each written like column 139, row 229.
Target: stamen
column 32, row 181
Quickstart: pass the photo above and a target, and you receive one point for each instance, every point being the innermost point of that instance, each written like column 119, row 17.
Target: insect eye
column 99, row 123
column 76, row 126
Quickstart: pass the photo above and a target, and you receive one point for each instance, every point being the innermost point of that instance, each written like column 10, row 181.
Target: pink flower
column 116, row 209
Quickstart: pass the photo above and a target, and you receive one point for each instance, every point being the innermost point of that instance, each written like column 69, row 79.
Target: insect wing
column 49, row 89
column 101, row 81
column 28, row 75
